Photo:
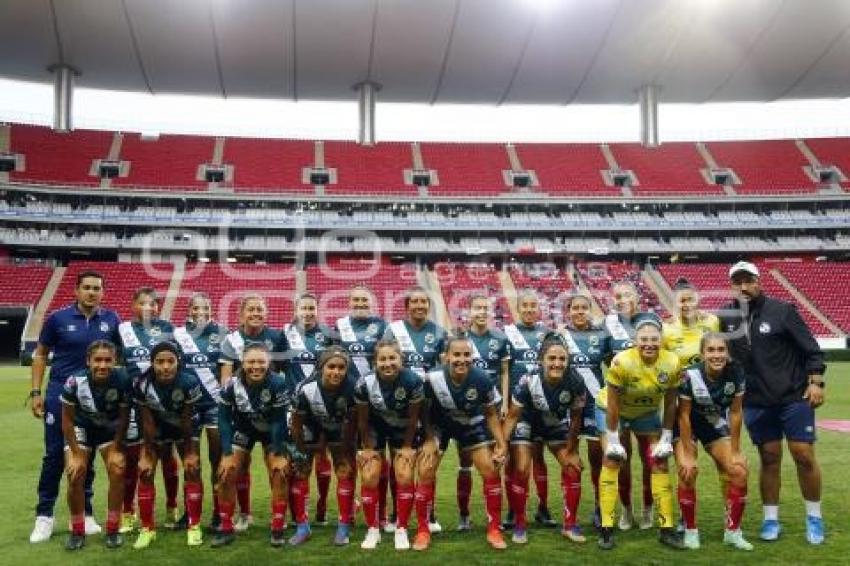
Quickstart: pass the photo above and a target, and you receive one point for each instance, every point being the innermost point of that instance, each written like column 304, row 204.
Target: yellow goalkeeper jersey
column 642, row 387
column 683, row 339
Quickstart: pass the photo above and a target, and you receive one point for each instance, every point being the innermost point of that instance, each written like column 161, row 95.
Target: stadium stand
column 168, row 161
column 22, row 285
column 466, row 168
column 672, row 168
column 832, row 152
column 567, row 169
column 823, row 284
column 459, row 281
column 600, row 278
column 268, row 165
column 366, row 170
column 553, row 286
column 764, row 167
column 58, row 158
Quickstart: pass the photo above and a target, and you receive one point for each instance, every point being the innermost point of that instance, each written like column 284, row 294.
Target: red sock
column 225, row 513
column 393, row 486
column 193, row 495
column 624, row 484
column 369, row 497
column 518, row 496
column 300, row 494
column 78, row 525
column 171, row 479
column 688, row 505
column 113, row 520
column 594, row 480
column 406, row 493
column 383, row 482
column 464, row 490
column 424, row 496
column 571, row 487
column 243, row 492
column 131, row 477
column 493, row 502
column 324, row 470
column 345, row 500
column 147, row 493
column 290, row 497
column 541, row 481
column 278, row 514
column 646, row 470
column 736, row 500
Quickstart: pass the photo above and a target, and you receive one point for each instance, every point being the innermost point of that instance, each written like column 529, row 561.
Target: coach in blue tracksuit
column 67, row 332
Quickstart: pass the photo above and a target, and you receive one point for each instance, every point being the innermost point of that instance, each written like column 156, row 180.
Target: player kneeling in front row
column 95, row 413
column 389, row 401
column 464, row 406
column 166, row 397
column 711, row 411
column 640, row 381
column 548, row 406
column 253, row 408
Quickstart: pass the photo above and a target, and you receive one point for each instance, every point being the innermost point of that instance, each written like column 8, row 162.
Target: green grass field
column 22, row 449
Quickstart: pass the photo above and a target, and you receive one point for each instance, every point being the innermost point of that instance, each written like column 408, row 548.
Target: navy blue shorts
column 168, row 433
column 528, row 433
column 589, row 430
column 384, row 436
column 313, row 432
column 92, row 437
column 467, row 437
column 793, row 421
column 207, row 417
column 704, row 431
column 244, row 439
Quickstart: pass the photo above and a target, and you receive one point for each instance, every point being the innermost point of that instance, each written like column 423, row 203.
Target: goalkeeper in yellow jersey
column 682, row 334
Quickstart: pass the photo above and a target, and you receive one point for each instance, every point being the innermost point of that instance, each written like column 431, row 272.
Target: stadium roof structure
column 439, row 51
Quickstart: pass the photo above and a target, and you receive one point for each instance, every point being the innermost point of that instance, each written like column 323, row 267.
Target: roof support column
column 63, row 97
column 367, row 99
column 648, row 101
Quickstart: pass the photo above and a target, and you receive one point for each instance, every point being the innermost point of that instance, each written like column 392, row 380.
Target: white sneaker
column 646, row 518
column 401, row 540
column 627, row 519
column 243, row 522
column 435, row 527
column 92, row 528
column 691, row 539
column 389, row 528
column 43, row 529
column 373, row 537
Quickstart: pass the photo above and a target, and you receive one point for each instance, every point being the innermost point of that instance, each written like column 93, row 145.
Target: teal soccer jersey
column 523, row 347
column 711, row 398
column 97, row 405
column 489, row 350
column 137, row 341
column 233, row 345
column 545, row 405
column 200, row 350
column 420, row 349
column 167, row 401
column 460, row 405
column 389, row 403
column 301, row 349
column 358, row 336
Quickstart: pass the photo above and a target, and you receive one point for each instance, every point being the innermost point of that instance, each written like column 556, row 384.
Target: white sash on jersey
column 538, row 397
column 590, row 381
column 518, row 341
column 700, row 389
column 402, row 336
column 84, row 394
column 238, row 343
column 205, row 375
column 152, row 400
column 296, row 343
column 240, row 395
column 615, row 327
column 131, row 340
column 376, row 398
column 314, row 397
column 347, row 334
column 572, row 347
column 441, row 390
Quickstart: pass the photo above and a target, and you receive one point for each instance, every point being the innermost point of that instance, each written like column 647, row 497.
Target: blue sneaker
column 343, row 530
column 770, row 530
column 302, row 534
column 814, row 530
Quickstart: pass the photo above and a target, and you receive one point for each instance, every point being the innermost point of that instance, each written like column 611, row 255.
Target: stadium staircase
column 804, row 301
column 659, row 286
column 509, row 291
column 36, row 321
column 439, row 312
column 173, row 292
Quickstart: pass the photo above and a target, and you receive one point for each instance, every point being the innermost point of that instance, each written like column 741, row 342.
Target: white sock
column 813, row 508
column 771, row 512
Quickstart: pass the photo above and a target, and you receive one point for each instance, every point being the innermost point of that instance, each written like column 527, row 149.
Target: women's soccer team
column 378, row 402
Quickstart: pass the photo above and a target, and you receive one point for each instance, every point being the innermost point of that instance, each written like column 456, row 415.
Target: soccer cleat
column 575, row 534
column 43, row 529
column 92, row 528
column 75, row 542
column 690, row 539
column 215, row 523
column 680, row 526
column 114, row 540
column 669, row 537
column 373, row 537
column 736, row 538
column 194, row 536
column 509, row 521
column 302, row 534
column 464, row 523
column 128, row 523
column 606, row 538
column 627, row 519
column 389, row 527
column 276, row 538
column 171, row 518
column 645, row 518
column 597, row 518
column 496, row 540
column 519, row 536
column 182, row 523
column 401, row 540
column 434, row 526
column 243, row 522
column 222, row 539
column 544, row 518
column 422, row 540
column 146, row 537
column 343, row 531
column 814, row 530
column 770, row 530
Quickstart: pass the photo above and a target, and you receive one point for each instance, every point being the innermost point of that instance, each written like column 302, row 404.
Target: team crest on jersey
column 400, row 394
column 540, row 336
column 214, row 338
column 429, row 338
column 265, row 395
column 530, row 355
column 663, row 378
column 372, row 329
column 177, row 395
column 564, row 397
column 104, row 327
column 764, row 328
column 471, row 395
column 593, row 340
column 111, row 395
column 320, row 338
column 493, row 344
column 729, row 388
column 154, row 331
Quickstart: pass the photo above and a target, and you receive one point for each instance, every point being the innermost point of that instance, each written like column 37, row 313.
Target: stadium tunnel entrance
column 12, row 323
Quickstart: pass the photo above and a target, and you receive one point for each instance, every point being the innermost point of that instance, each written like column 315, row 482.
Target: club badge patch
column 764, row 328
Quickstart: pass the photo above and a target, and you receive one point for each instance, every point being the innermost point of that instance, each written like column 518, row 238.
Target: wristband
column 666, row 436
column 35, row 392
column 613, row 437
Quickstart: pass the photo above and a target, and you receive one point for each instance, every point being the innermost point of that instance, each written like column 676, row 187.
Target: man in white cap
column 784, row 367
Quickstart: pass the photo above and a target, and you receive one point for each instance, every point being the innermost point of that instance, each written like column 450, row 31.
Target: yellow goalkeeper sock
column 662, row 493
column 608, row 494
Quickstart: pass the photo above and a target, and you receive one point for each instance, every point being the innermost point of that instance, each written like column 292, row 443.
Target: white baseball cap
column 743, row 266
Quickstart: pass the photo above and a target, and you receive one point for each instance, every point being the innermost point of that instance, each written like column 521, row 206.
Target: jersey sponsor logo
column 357, row 347
column 581, row 359
column 400, row 394
column 305, row 355
column 415, row 359
column 177, row 395
column 429, row 338
column 764, row 328
column 111, row 395
column 663, row 378
column 530, row 355
column 479, row 363
column 471, row 395
column 199, row 359
column 564, row 397
column 729, row 388
column 104, row 327
column 140, row 353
